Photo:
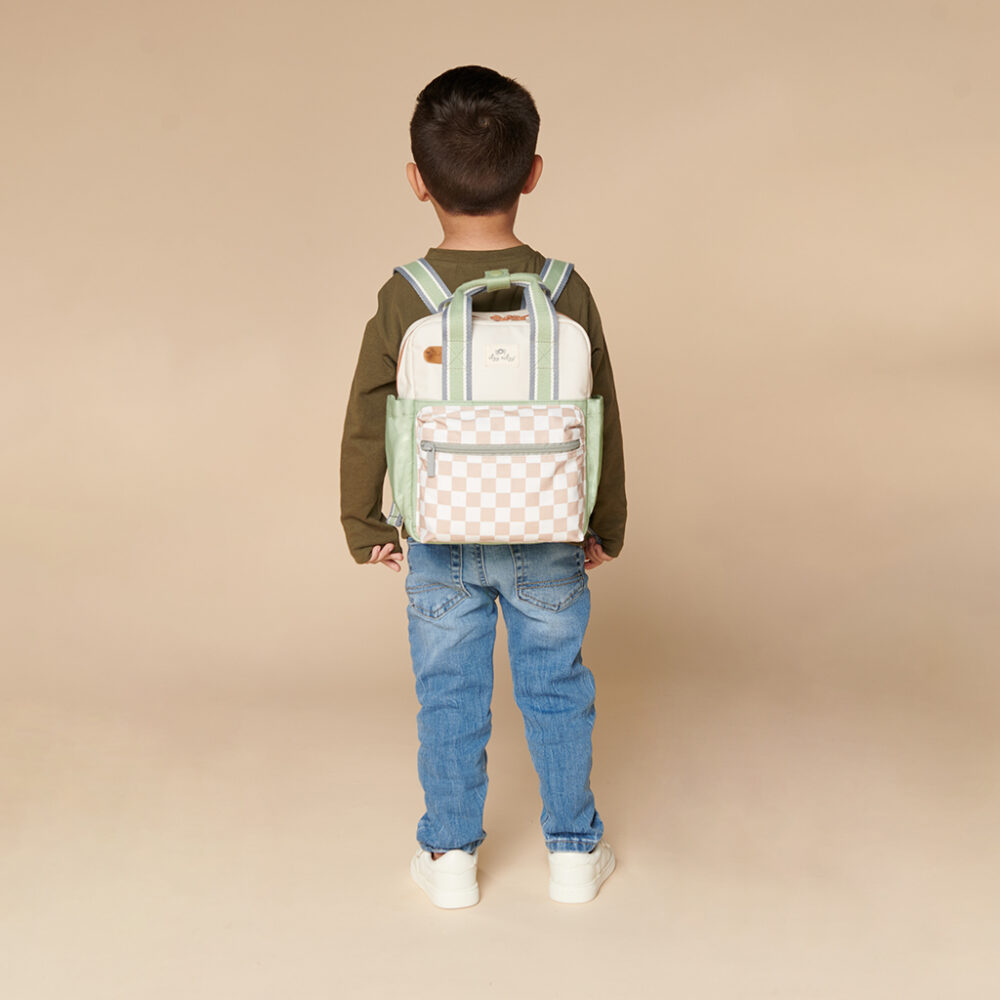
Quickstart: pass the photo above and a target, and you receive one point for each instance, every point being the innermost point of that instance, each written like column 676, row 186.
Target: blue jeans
column 542, row 589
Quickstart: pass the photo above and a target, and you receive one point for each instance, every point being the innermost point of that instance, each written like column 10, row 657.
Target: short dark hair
column 473, row 135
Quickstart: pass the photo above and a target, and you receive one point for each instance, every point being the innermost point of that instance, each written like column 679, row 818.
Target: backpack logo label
column 502, row 356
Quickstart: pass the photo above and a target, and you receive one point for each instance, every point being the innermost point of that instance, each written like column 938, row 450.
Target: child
column 473, row 136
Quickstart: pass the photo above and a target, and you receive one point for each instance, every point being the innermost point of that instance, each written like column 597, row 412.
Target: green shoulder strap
column 554, row 275
column 426, row 283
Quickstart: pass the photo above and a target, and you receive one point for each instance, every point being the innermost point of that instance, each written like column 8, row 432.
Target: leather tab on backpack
column 432, row 355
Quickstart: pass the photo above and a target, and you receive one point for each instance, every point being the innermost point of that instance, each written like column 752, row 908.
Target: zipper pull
column 428, row 447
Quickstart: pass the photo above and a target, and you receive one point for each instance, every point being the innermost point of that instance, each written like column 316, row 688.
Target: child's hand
column 383, row 554
column 593, row 553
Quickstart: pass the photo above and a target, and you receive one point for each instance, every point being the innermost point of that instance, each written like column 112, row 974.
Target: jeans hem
column 563, row 844
column 468, row 848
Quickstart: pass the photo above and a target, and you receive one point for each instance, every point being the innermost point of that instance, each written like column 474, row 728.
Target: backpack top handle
column 456, row 335
column 433, row 292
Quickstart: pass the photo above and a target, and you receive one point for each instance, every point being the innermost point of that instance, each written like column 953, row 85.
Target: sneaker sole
column 446, row 899
column 583, row 892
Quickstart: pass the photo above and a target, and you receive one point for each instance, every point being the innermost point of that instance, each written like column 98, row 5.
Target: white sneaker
column 450, row 882
column 575, row 876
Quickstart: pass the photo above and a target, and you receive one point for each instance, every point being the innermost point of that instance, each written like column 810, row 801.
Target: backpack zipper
column 432, row 447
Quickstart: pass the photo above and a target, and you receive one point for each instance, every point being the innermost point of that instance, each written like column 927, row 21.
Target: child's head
column 473, row 136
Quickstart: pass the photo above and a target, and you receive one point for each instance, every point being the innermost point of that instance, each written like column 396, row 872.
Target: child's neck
column 478, row 232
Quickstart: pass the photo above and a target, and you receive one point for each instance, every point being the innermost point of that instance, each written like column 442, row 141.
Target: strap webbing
column 554, row 275
column 426, row 283
column 433, row 292
column 456, row 336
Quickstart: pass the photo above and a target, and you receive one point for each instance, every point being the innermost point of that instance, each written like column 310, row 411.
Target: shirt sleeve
column 611, row 507
column 362, row 448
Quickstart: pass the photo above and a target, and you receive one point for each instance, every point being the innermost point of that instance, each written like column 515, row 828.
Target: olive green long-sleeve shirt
column 362, row 455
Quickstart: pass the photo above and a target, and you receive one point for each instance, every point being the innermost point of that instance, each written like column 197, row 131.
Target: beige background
column 788, row 213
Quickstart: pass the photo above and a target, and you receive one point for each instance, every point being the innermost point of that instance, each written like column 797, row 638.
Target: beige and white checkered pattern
column 502, row 497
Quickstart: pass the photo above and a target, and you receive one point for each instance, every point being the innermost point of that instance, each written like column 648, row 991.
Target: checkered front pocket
column 493, row 472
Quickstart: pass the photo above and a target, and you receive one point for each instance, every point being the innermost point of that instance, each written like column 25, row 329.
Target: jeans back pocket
column 550, row 575
column 434, row 581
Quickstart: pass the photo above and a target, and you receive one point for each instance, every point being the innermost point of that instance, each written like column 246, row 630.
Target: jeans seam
column 457, row 569
column 551, row 583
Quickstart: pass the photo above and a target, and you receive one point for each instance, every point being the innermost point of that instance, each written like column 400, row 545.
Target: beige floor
column 771, row 844
column 796, row 758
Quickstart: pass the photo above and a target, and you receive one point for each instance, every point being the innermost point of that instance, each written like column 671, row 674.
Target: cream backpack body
column 493, row 436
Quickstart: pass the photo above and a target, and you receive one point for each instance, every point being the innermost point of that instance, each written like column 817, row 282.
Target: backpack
column 493, row 436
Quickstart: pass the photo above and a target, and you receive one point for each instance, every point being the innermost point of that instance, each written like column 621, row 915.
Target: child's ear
column 536, row 172
column 417, row 182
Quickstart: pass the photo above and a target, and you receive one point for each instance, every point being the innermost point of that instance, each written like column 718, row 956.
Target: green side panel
column 593, row 409
column 401, row 456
